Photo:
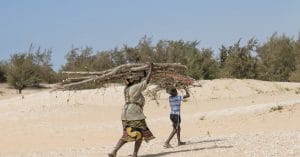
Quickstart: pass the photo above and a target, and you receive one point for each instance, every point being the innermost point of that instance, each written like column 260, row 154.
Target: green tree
column 223, row 55
column 202, row 65
column 295, row 75
column 42, row 60
column 79, row 59
column 22, row 72
column 132, row 55
column 3, row 71
column 145, row 50
column 160, row 52
column 238, row 61
column 277, row 58
column 200, row 62
column 71, row 57
column 181, row 52
column 30, row 69
column 103, row 61
column 118, row 57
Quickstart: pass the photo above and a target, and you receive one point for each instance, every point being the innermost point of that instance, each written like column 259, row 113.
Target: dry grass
column 297, row 91
column 276, row 108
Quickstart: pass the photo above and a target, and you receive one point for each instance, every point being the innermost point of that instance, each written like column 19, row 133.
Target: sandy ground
column 227, row 117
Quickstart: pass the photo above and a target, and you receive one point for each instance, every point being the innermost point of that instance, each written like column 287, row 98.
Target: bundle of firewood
column 163, row 75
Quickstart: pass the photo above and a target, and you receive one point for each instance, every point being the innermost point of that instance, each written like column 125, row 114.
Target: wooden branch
column 160, row 70
column 103, row 79
column 77, row 79
column 84, row 72
column 78, row 83
column 132, row 67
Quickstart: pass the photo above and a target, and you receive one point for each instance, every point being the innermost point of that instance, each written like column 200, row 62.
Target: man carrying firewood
column 133, row 118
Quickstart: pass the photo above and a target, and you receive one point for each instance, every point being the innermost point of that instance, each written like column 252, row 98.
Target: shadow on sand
column 205, row 141
column 189, row 150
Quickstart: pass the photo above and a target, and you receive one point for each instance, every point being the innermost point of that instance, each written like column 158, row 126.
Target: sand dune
column 226, row 117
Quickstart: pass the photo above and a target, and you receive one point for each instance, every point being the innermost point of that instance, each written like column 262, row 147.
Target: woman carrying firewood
column 133, row 118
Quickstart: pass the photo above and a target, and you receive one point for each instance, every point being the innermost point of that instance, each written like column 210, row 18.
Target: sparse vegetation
column 287, row 89
column 258, row 91
column 202, row 118
column 282, row 88
column 297, row 91
column 276, row 108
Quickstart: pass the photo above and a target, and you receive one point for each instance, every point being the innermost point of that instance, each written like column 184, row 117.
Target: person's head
column 130, row 80
column 173, row 91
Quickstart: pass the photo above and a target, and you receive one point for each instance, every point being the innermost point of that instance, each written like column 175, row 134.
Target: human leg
column 178, row 131
column 117, row 147
column 178, row 137
column 167, row 143
column 137, row 146
column 174, row 120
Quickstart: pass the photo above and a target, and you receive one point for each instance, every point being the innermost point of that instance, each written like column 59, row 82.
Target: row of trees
column 278, row 59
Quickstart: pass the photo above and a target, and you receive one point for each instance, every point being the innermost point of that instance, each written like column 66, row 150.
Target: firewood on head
column 162, row 75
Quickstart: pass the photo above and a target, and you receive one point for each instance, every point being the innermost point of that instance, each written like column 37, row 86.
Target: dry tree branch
column 163, row 74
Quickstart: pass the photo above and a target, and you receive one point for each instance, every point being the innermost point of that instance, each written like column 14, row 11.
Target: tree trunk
column 20, row 90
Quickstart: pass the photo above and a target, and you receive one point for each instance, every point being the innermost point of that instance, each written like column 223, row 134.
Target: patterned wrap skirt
column 134, row 130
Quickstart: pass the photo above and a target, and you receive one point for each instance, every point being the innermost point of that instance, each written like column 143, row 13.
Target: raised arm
column 187, row 94
column 149, row 72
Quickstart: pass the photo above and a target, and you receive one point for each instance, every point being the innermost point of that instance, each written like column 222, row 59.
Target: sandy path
column 86, row 123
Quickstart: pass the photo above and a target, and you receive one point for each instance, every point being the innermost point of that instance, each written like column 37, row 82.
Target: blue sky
column 106, row 24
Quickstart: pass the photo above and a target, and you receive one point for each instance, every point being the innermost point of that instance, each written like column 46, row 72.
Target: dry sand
column 226, row 117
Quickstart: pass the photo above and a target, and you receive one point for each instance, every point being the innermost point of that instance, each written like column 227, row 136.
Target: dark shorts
column 176, row 119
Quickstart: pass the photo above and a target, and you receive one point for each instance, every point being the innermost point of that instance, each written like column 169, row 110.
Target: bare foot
column 167, row 145
column 181, row 143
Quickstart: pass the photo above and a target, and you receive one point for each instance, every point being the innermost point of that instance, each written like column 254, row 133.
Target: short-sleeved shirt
column 134, row 102
column 175, row 102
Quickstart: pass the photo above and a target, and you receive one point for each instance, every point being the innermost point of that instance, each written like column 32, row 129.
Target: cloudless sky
column 106, row 24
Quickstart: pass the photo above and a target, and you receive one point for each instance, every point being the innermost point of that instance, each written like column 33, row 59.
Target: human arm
column 139, row 87
column 187, row 94
column 149, row 72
